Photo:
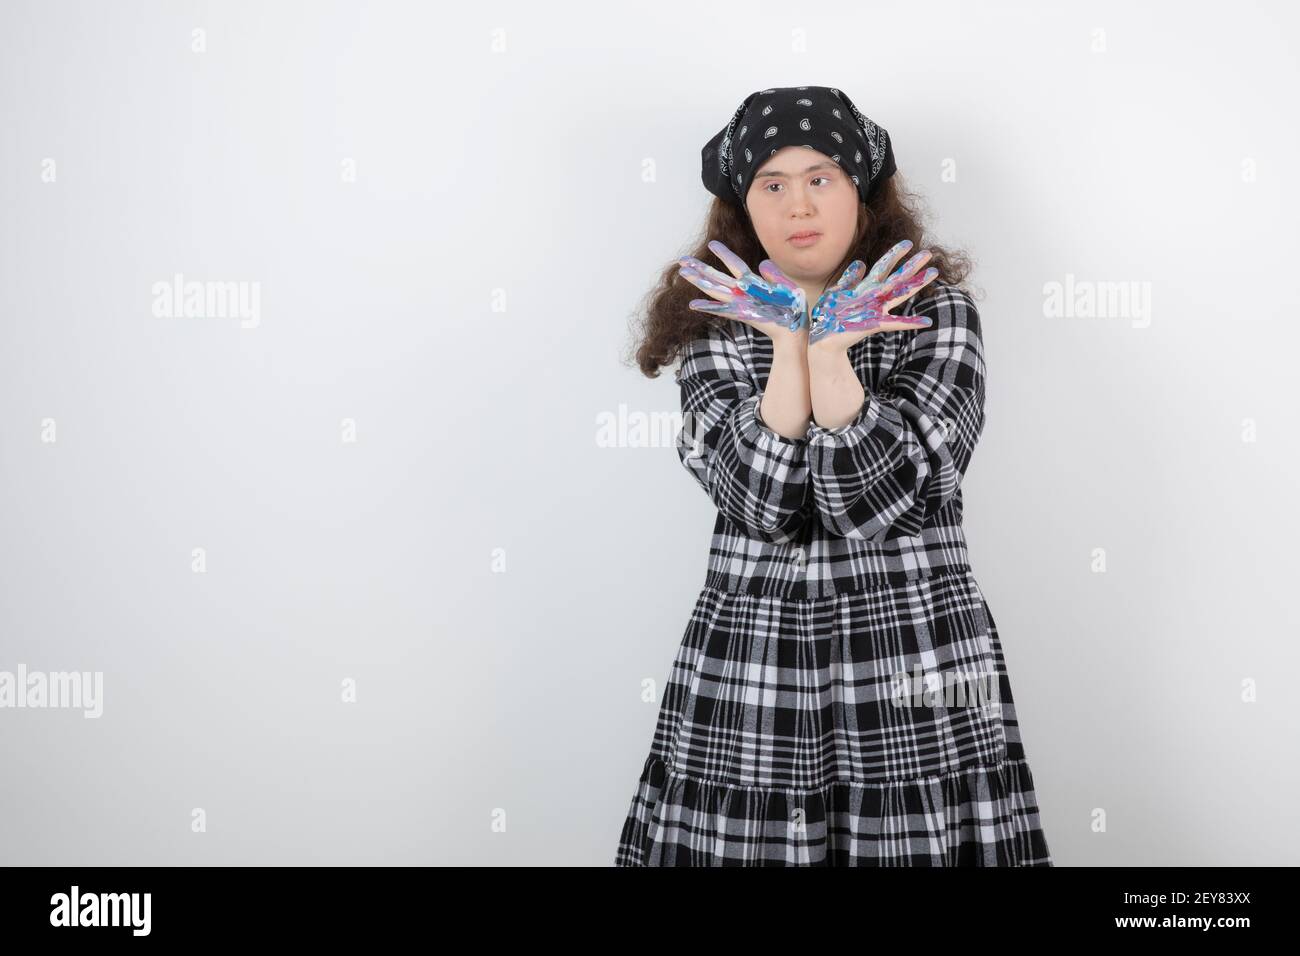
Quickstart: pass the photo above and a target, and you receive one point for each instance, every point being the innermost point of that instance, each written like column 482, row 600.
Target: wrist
column 787, row 346
column 827, row 356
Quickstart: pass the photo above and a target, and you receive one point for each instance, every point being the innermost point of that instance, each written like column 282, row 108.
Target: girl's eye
column 815, row 178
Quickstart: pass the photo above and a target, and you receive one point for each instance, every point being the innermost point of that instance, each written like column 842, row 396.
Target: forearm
column 787, row 405
column 834, row 389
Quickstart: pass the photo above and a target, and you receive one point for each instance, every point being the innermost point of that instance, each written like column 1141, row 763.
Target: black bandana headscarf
column 820, row 117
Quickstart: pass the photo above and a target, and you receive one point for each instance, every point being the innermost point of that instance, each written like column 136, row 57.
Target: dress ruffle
column 796, row 734
column 979, row 815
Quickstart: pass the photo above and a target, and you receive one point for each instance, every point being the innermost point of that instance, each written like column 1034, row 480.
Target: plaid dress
column 840, row 696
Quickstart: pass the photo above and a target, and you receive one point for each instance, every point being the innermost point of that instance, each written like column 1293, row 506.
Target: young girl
column 840, row 696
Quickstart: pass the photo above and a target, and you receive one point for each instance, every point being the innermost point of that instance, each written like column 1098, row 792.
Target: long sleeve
column 757, row 478
column 903, row 457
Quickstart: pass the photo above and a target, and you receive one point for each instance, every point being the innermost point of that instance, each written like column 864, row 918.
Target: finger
column 718, row 279
column 908, row 269
column 732, row 261
column 716, row 308
column 722, row 291
column 851, row 276
column 905, row 324
column 770, row 271
column 911, row 287
column 886, row 262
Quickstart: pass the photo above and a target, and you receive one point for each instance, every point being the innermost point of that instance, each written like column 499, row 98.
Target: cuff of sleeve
column 749, row 410
column 861, row 424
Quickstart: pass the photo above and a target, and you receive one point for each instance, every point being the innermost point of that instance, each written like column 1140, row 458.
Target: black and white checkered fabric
column 840, row 696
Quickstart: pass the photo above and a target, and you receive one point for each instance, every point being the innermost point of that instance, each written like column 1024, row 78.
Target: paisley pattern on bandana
column 817, row 117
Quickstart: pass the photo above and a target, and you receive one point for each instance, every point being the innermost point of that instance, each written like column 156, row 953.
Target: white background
column 516, row 175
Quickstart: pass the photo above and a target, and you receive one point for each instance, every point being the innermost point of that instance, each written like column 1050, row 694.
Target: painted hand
column 852, row 306
column 771, row 298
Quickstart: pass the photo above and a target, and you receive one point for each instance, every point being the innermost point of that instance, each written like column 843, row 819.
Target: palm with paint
column 850, row 310
column 769, row 301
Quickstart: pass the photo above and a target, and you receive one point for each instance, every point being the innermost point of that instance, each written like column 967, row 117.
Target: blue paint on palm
column 760, row 291
column 785, row 303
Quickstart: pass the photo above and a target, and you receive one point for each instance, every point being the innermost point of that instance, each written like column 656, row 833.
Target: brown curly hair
column 668, row 323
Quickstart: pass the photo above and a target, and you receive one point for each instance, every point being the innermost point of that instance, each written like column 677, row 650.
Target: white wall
column 1166, row 439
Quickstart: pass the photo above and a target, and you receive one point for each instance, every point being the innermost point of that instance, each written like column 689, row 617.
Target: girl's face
column 801, row 190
